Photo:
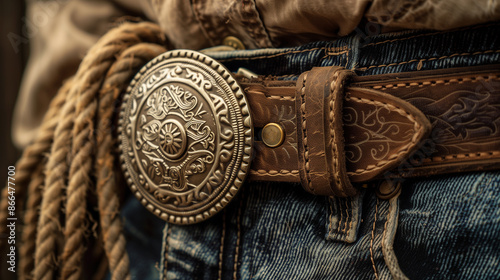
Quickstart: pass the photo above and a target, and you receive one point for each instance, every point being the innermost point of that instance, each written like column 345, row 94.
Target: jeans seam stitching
column 169, row 230
column 427, row 59
column 341, row 215
column 347, row 215
column 238, row 238
column 347, row 58
column 330, row 226
column 271, row 55
column 350, row 224
column 371, row 241
column 222, row 243
column 385, row 229
column 328, row 54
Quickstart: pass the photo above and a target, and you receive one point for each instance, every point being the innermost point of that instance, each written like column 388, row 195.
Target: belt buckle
column 186, row 136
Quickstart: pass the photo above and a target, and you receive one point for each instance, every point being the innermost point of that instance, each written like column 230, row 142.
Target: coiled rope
column 73, row 159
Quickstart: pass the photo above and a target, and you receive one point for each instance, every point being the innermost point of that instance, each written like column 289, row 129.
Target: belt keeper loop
column 319, row 100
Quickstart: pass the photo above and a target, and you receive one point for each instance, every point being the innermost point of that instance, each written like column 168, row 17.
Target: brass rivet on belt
column 233, row 42
column 273, row 135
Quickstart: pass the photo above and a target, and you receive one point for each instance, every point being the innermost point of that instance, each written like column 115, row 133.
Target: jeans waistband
column 368, row 53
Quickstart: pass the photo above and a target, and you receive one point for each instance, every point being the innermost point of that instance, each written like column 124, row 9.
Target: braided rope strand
column 74, row 129
column 26, row 252
column 73, row 155
column 49, row 226
column 83, row 150
column 33, row 155
column 121, row 72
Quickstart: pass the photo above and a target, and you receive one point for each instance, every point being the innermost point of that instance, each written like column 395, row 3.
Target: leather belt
column 191, row 131
column 450, row 117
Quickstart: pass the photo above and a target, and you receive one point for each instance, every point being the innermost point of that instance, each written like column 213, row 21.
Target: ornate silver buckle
column 186, row 136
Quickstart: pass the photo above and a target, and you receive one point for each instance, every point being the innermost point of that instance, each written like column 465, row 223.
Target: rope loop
column 70, row 165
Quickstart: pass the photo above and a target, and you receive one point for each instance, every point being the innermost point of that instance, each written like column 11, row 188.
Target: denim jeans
column 440, row 227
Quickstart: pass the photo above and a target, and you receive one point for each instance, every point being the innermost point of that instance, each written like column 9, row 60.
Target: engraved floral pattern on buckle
column 185, row 136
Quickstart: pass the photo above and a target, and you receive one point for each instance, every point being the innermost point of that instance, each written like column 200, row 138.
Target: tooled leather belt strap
column 452, row 117
column 191, row 133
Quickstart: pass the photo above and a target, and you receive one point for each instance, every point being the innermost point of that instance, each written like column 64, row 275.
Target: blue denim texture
column 441, row 227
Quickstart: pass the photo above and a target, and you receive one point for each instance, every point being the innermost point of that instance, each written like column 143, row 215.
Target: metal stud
column 233, row 42
column 273, row 135
column 387, row 190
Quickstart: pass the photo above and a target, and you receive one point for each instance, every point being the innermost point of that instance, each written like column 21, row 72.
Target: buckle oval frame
column 186, row 136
